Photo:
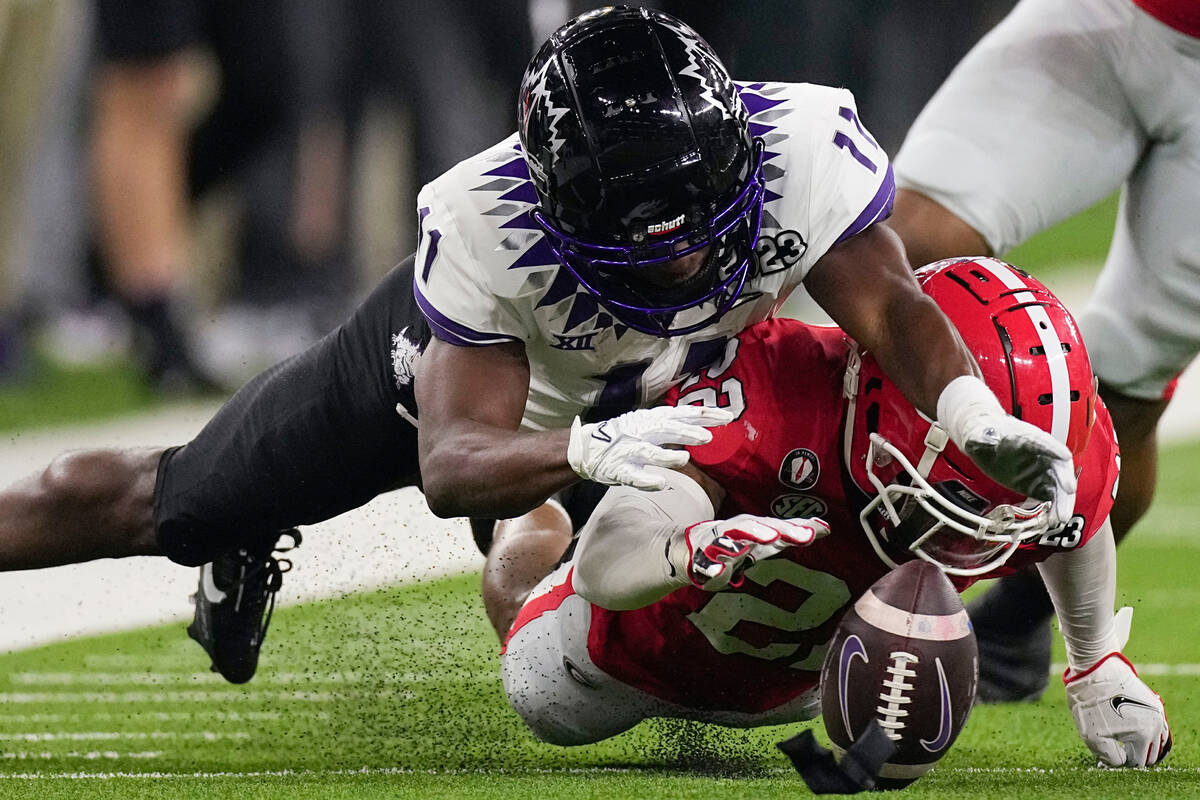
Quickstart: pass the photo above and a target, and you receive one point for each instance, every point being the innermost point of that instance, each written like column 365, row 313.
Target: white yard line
column 1122, row 774
column 391, row 540
column 94, row 736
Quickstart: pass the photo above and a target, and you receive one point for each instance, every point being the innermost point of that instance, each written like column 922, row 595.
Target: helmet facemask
column 615, row 274
column 908, row 515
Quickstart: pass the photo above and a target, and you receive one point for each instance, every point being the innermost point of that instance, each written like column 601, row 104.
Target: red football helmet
column 929, row 499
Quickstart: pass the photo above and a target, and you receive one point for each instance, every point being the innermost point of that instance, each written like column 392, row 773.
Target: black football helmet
column 640, row 151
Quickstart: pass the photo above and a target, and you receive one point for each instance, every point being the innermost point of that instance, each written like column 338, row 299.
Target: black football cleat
column 234, row 605
column 1013, row 634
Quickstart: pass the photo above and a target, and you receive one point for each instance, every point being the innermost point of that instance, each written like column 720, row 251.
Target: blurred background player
column 1064, row 102
column 242, row 161
column 26, row 68
column 145, row 103
column 662, row 610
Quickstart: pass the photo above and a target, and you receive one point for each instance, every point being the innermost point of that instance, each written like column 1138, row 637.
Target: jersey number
column 1066, row 536
column 844, row 140
column 727, row 394
column 827, row 595
column 622, row 389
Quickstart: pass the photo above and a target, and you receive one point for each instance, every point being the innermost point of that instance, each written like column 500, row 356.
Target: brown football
column 904, row 655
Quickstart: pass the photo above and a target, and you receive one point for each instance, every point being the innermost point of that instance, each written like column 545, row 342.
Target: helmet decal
column 696, row 52
column 540, row 99
column 1051, row 344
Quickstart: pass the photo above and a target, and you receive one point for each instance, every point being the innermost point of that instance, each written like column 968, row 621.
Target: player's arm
column 866, row 285
column 638, row 547
column 1121, row 720
column 475, row 462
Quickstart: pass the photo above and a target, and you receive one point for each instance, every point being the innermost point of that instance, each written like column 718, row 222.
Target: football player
column 1062, row 103
column 647, row 210
column 715, row 598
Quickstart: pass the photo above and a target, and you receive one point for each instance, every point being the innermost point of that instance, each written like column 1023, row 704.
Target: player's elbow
column 443, row 497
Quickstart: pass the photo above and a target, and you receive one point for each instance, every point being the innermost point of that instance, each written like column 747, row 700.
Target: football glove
column 1121, row 720
column 1013, row 452
column 722, row 550
column 618, row 450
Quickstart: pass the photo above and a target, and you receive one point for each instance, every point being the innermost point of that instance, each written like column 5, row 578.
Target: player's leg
column 524, row 550
column 1135, row 421
column 550, row 679
column 84, row 505
column 1031, row 127
column 1142, row 323
column 1025, row 132
column 304, row 441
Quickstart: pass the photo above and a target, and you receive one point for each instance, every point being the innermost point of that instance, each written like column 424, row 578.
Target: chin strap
column 850, row 392
column 856, row 772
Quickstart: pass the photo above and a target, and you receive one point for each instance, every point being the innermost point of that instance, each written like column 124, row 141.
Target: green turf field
column 397, row 694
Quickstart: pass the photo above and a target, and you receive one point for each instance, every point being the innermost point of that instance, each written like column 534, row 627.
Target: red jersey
column 760, row 645
column 1182, row 15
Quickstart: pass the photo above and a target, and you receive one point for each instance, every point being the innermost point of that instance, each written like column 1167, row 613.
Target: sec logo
column 795, row 506
column 800, row 469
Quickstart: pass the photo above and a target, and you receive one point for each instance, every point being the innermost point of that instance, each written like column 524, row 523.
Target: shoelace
column 275, row 569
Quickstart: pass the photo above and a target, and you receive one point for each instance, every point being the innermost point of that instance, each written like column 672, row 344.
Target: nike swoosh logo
column 600, row 434
column 851, row 648
column 943, row 735
column 209, row 587
column 1122, row 700
column 667, row 556
column 576, row 674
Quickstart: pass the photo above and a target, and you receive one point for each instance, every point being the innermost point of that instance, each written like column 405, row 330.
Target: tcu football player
column 1061, row 104
column 647, row 211
column 714, row 598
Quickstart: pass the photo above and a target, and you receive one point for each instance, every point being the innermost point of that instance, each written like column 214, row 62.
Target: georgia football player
column 715, row 598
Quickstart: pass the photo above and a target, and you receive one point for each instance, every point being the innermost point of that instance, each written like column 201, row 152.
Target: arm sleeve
column 632, row 552
column 1083, row 585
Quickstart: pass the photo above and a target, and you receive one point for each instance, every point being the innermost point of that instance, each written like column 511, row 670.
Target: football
column 904, row 655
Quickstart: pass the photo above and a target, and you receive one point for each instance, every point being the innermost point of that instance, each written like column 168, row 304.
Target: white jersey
column 486, row 275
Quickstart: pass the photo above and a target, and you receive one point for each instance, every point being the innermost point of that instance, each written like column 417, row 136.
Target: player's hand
column 1121, row 719
column 618, row 450
column 722, row 550
column 1013, row 452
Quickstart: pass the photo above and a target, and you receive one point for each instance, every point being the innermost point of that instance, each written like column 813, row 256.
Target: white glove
column 722, row 550
column 1121, row 720
column 618, row 450
column 1013, row 452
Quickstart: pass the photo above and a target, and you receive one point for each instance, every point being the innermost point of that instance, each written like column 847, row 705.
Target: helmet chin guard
column 918, row 518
